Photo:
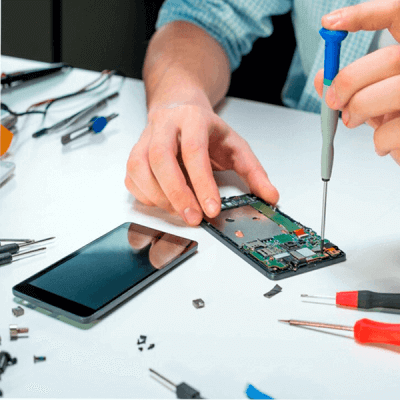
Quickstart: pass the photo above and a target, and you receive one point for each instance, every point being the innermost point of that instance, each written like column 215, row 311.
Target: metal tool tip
column 286, row 321
column 304, row 295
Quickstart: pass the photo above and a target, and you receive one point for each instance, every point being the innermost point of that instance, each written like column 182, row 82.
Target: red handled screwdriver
column 363, row 299
column 365, row 330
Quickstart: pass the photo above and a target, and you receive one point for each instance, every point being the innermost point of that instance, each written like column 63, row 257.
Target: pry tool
column 95, row 125
column 14, row 248
column 329, row 117
column 7, row 258
column 365, row 330
column 183, row 390
column 363, row 299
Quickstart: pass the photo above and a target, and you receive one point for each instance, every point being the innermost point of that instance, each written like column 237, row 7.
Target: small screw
column 151, row 346
column 36, row 359
column 141, row 348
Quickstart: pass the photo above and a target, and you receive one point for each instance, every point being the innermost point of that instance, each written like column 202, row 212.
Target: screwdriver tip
column 304, row 295
column 286, row 321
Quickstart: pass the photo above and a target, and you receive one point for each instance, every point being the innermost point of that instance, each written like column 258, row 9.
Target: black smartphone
column 269, row 240
column 96, row 278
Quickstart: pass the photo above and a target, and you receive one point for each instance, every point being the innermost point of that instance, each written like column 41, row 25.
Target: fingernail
column 331, row 98
column 192, row 216
column 211, row 206
column 345, row 117
column 332, row 18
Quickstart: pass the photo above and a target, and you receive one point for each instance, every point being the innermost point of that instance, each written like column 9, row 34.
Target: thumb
column 370, row 16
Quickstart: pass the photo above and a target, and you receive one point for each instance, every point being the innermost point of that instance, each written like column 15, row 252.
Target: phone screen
column 104, row 269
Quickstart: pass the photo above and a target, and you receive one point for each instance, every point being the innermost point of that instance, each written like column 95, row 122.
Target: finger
column 373, row 101
column 247, row 166
column 197, row 162
column 361, row 73
column 136, row 192
column 387, row 137
column 140, row 173
column 163, row 163
column 319, row 82
column 368, row 16
column 396, row 155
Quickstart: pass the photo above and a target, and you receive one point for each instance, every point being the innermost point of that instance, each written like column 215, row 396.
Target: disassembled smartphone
column 269, row 240
column 96, row 278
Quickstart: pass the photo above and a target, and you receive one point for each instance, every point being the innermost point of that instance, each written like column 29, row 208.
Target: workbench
column 77, row 193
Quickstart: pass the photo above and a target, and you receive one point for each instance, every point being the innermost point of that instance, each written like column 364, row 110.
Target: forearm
column 184, row 65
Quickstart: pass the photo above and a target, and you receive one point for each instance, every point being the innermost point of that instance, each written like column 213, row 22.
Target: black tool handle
column 11, row 248
column 184, row 391
column 5, row 258
column 368, row 299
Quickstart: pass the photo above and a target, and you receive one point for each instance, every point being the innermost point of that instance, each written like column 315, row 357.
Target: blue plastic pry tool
column 253, row 393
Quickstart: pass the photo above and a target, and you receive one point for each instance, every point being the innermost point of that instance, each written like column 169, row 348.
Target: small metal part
column 151, row 346
column 323, row 214
column 198, row 303
column 18, row 311
column 281, row 255
column 16, row 240
column 297, row 255
column 141, row 348
column 317, row 296
column 38, row 359
column 15, row 331
column 317, row 324
column 275, row 290
column 306, row 252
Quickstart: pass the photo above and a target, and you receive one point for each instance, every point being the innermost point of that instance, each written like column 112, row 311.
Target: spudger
column 363, row 299
column 329, row 117
column 14, row 248
column 7, row 258
column 365, row 330
column 183, row 390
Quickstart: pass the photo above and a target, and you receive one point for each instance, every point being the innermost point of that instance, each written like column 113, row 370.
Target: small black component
column 142, row 339
column 198, row 303
column 141, row 348
column 291, row 246
column 329, row 245
column 288, row 259
column 151, row 346
column 275, row 290
column 184, row 391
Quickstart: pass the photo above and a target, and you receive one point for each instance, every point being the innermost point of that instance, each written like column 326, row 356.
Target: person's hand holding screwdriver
column 368, row 90
column 181, row 92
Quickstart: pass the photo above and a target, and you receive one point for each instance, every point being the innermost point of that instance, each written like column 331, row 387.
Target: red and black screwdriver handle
column 366, row 299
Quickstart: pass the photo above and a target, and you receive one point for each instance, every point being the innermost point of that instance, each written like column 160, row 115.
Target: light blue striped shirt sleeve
column 235, row 24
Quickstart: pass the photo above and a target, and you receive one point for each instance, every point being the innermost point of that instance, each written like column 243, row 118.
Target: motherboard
column 268, row 239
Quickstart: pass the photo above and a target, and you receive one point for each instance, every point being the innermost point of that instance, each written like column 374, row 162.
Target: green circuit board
column 277, row 244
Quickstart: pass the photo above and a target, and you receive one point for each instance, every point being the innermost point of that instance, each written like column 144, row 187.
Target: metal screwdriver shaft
column 329, row 117
column 14, row 248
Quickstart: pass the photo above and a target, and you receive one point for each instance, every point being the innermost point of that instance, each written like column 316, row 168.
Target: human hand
column 368, row 90
column 205, row 143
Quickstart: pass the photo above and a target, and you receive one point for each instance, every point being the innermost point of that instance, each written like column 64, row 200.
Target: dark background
column 104, row 34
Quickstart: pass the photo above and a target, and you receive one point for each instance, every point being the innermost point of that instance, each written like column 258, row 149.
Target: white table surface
column 78, row 194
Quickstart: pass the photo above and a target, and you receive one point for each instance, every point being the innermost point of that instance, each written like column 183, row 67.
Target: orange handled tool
column 365, row 330
column 5, row 139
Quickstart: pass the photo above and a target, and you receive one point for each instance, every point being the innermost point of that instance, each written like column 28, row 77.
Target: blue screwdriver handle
column 333, row 40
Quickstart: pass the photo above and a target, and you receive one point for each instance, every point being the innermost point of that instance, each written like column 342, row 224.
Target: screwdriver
column 363, row 299
column 183, row 390
column 14, row 248
column 365, row 330
column 329, row 117
column 8, row 258
column 95, row 125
